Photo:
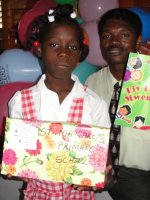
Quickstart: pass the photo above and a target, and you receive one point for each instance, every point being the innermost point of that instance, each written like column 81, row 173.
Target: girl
column 58, row 96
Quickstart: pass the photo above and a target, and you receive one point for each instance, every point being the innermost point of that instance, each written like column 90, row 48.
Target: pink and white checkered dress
column 47, row 190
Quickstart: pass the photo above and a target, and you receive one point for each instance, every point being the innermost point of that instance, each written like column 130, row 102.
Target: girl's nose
column 63, row 52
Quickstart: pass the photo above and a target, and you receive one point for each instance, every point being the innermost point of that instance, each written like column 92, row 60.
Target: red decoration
column 36, row 44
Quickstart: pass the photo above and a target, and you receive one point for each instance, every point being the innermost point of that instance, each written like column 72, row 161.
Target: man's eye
column 106, row 36
column 125, row 35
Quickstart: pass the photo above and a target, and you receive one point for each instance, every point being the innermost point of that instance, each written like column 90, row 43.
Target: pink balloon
column 90, row 10
column 94, row 57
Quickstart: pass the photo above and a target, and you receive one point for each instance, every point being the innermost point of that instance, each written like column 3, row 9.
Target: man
column 120, row 33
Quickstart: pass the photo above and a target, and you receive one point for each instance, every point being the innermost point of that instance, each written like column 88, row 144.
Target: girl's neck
column 60, row 86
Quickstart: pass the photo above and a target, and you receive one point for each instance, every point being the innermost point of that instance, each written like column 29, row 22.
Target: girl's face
column 60, row 51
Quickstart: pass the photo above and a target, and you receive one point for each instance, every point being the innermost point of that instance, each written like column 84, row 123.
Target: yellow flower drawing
column 11, row 169
column 59, row 166
column 86, row 143
column 50, row 142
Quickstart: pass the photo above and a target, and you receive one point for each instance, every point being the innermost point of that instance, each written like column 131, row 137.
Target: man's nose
column 114, row 39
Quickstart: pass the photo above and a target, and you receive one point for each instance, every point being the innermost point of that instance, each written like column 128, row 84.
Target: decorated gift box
column 61, row 152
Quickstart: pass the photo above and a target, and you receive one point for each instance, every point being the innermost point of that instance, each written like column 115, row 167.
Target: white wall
column 9, row 189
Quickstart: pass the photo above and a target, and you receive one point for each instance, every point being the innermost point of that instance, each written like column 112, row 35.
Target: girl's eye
column 73, row 47
column 53, row 45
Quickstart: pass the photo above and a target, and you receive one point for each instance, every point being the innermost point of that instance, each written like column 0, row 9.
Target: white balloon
column 19, row 65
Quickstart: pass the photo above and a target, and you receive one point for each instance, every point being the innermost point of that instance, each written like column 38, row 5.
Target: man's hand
column 144, row 48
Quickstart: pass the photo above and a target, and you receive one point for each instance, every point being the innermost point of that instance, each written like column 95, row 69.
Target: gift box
column 55, row 151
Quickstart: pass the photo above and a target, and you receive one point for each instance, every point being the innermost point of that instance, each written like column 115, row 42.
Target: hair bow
column 51, row 17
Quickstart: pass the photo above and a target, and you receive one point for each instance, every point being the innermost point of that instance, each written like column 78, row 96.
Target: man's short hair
column 128, row 16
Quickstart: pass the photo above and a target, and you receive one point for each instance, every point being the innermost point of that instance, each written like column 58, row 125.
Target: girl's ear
column 138, row 43
column 38, row 51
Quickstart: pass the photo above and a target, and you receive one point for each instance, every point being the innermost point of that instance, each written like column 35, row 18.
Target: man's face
column 116, row 41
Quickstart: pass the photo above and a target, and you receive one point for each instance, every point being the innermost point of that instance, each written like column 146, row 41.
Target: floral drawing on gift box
column 37, row 150
column 86, row 181
column 83, row 131
column 56, row 128
column 28, row 173
column 27, row 159
column 11, row 169
column 9, row 159
column 49, row 141
column 100, row 185
column 85, row 143
column 98, row 158
column 61, row 166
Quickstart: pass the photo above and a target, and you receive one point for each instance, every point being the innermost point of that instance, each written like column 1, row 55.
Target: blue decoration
column 145, row 18
column 19, row 65
column 84, row 70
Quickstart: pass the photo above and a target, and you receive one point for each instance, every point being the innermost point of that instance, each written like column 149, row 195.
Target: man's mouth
column 114, row 51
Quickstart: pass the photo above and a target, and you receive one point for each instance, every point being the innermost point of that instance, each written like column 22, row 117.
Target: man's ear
column 38, row 51
column 138, row 43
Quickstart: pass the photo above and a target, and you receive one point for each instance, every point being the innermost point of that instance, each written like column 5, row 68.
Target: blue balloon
column 84, row 70
column 145, row 18
column 19, row 65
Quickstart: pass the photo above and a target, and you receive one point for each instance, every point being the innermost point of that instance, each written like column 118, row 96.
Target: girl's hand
column 108, row 181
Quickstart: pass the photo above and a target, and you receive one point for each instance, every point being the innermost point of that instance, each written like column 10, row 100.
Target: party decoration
column 38, row 9
column 145, row 18
column 66, row 1
column 84, row 70
column 79, row 20
column 18, row 65
column 7, row 91
column 91, row 10
column 94, row 57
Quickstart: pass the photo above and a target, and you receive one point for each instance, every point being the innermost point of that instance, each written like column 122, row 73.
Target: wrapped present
column 56, row 151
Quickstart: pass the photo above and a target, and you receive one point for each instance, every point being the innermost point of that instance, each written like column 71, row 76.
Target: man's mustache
column 115, row 47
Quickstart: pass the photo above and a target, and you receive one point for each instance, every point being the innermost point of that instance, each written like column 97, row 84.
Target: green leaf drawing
column 25, row 157
column 7, row 127
column 49, row 155
column 68, row 180
column 76, row 171
column 72, row 154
